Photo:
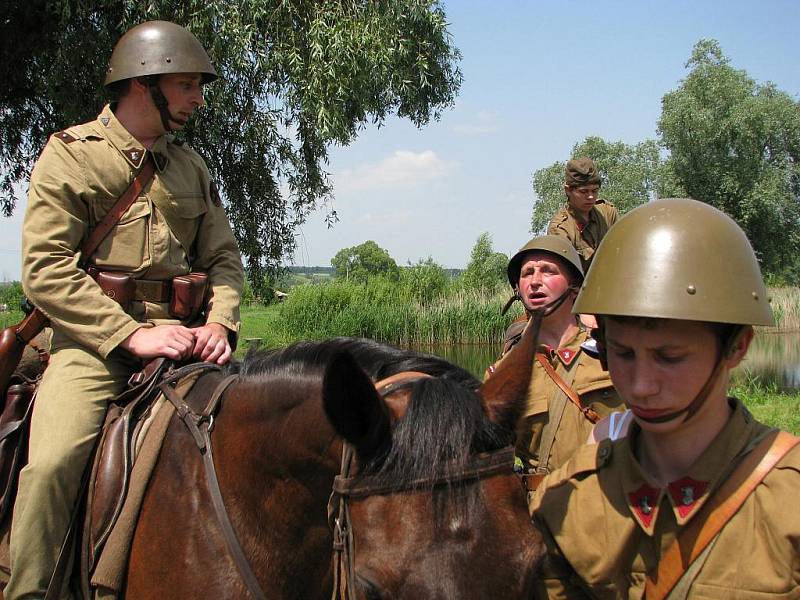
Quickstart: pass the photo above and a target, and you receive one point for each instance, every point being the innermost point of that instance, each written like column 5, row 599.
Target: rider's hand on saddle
column 172, row 341
column 211, row 343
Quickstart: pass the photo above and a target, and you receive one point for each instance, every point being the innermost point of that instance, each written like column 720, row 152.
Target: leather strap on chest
column 587, row 412
column 704, row 527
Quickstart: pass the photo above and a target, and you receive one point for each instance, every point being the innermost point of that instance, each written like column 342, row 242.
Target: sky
column 539, row 77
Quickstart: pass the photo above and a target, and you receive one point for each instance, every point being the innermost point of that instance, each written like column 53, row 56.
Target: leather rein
column 346, row 486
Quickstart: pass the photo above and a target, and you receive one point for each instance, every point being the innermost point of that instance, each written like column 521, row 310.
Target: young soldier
column 693, row 501
column 569, row 389
column 585, row 219
column 175, row 226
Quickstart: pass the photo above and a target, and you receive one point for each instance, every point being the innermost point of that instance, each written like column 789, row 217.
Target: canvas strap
column 718, row 510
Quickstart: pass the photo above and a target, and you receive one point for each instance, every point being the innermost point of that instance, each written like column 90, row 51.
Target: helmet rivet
column 755, row 296
column 691, row 290
column 142, row 62
column 169, row 60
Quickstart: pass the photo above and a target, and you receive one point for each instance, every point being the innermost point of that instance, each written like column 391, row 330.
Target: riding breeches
column 68, row 415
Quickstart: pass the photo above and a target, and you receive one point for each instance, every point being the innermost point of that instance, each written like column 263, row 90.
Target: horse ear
column 504, row 392
column 353, row 407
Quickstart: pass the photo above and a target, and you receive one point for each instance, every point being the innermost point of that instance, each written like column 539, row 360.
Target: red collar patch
column 644, row 505
column 685, row 494
column 567, row 355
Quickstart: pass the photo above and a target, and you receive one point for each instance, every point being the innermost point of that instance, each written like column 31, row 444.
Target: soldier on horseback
column 165, row 280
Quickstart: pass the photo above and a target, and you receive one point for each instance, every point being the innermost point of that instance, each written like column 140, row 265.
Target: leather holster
column 188, row 296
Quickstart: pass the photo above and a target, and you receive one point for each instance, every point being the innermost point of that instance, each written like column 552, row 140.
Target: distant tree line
column 725, row 140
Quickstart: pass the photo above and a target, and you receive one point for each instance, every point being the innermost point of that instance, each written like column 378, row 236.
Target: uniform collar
column 592, row 217
column 127, row 145
column 688, row 494
column 568, row 352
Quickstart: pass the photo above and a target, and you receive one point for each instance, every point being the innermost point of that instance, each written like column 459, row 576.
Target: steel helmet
column 552, row 244
column 676, row 258
column 157, row 48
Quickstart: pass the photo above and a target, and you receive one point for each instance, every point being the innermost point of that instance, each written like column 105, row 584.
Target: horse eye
column 369, row 589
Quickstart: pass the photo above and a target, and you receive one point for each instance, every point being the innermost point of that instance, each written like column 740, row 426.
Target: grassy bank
column 769, row 405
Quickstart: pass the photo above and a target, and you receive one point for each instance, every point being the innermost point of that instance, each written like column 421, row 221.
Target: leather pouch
column 14, row 423
column 188, row 296
column 117, row 286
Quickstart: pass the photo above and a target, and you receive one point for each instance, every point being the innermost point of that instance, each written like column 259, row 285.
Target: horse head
column 433, row 508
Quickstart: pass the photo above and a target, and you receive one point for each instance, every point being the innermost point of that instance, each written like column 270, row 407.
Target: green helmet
column 552, row 244
column 157, row 48
column 676, row 259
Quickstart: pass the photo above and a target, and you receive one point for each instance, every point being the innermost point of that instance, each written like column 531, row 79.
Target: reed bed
column 785, row 303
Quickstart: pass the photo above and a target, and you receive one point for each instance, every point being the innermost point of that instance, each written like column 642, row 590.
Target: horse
column 346, row 467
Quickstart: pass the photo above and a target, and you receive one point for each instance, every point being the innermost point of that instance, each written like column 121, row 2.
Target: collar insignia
column 685, row 494
column 105, row 121
column 567, row 355
column 644, row 505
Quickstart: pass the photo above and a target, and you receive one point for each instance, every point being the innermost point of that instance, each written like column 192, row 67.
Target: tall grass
column 785, row 302
column 387, row 311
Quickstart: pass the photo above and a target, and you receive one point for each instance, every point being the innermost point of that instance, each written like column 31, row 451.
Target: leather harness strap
column 718, row 510
column 587, row 412
column 200, row 426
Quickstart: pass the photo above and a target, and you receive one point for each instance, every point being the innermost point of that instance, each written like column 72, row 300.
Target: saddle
column 125, row 455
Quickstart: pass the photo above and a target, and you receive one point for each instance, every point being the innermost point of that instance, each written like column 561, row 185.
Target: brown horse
column 431, row 509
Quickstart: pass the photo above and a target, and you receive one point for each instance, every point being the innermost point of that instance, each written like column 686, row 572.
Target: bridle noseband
column 347, row 486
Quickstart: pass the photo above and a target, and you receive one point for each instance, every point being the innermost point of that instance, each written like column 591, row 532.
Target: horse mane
column 444, row 422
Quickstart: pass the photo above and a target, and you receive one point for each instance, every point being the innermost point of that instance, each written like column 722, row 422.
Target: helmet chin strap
column 162, row 105
column 691, row 409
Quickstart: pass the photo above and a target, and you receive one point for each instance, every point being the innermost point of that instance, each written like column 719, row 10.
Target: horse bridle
column 346, row 486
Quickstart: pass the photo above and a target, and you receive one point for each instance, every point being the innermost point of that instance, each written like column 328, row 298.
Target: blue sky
column 538, row 77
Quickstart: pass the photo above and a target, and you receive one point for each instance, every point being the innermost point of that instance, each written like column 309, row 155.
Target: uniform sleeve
column 55, row 224
column 218, row 255
column 556, row 579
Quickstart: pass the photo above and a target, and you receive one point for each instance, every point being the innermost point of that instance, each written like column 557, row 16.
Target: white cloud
column 402, row 169
column 483, row 122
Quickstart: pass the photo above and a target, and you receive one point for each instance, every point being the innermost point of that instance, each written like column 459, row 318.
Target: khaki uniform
column 606, row 524
column 176, row 225
column 547, row 403
column 565, row 223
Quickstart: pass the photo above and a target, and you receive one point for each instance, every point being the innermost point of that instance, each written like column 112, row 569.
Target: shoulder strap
column 719, row 509
column 113, row 216
column 568, row 391
column 555, row 409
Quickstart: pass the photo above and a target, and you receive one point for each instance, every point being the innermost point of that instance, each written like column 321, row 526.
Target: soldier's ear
column 739, row 346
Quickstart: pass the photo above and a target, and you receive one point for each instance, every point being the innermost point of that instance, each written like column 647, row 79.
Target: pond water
column 773, row 359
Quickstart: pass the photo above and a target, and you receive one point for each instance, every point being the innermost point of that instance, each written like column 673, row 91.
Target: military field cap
column 676, row 258
column 158, row 48
column 581, row 171
column 551, row 244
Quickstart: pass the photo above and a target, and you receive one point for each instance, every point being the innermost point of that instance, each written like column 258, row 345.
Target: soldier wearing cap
column 176, row 225
column 692, row 503
column 585, row 219
column 569, row 389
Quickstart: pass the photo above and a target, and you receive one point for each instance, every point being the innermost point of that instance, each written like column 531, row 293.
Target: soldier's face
column 658, row 367
column 184, row 94
column 582, row 198
column 542, row 280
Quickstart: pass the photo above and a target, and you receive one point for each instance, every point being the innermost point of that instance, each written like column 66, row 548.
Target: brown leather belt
column 153, row 290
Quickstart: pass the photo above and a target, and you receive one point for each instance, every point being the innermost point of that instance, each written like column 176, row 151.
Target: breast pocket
column 184, row 216
column 127, row 246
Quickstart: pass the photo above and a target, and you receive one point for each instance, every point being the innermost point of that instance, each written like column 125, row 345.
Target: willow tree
column 297, row 76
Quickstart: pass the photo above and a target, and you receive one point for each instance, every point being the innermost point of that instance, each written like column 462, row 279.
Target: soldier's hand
column 172, row 341
column 211, row 343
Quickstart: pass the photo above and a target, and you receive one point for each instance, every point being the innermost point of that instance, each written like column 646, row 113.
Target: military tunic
column 606, row 523
column 176, row 225
column 584, row 237
column 594, row 389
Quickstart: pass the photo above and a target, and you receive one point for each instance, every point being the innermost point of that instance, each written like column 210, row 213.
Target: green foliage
column 736, row 145
column 424, row 281
column 631, row 175
column 380, row 310
column 486, row 270
column 769, row 404
column 297, row 76
column 358, row 263
column 11, row 294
